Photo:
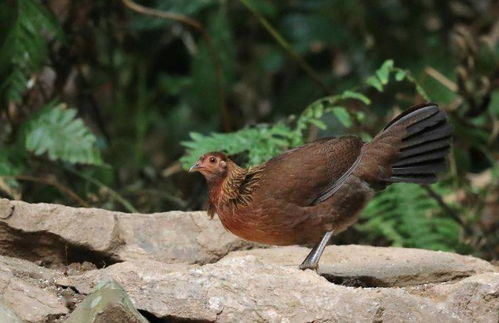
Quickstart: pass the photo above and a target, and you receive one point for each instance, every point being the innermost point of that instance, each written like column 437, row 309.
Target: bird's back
column 300, row 175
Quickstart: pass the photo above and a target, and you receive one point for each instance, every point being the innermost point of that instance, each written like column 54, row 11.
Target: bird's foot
column 308, row 265
column 312, row 259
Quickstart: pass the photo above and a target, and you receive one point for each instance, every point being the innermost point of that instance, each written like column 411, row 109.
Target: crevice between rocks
column 403, row 281
column 48, row 249
column 169, row 319
column 354, row 281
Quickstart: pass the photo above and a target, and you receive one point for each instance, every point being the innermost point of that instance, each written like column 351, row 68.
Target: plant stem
column 52, row 182
column 434, row 195
column 163, row 14
column 209, row 45
column 442, row 79
column 127, row 205
column 286, row 46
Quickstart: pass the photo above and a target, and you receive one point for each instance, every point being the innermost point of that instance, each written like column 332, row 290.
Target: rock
column 58, row 234
column 378, row 266
column 244, row 288
column 476, row 298
column 29, row 291
column 175, row 237
column 179, row 266
column 107, row 304
column 7, row 315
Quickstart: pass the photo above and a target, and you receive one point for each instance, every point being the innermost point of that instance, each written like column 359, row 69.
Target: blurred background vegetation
column 105, row 103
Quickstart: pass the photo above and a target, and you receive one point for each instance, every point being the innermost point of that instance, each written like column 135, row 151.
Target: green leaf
column 361, row 116
column 400, row 75
column 260, row 143
column 404, row 215
column 57, row 132
column 26, row 28
column 342, row 114
column 375, row 82
column 356, row 95
column 383, row 73
column 320, row 124
column 12, row 163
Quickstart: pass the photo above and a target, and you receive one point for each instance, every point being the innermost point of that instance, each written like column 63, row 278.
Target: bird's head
column 212, row 165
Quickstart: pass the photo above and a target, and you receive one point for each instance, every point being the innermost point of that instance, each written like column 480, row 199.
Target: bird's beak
column 194, row 168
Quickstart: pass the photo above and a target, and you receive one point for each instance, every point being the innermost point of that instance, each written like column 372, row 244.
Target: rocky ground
column 62, row 264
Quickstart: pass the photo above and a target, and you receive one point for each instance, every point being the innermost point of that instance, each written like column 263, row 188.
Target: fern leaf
column 261, row 143
column 60, row 134
column 405, row 216
column 24, row 47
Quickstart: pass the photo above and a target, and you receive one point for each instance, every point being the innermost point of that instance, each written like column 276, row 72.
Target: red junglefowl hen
column 308, row 193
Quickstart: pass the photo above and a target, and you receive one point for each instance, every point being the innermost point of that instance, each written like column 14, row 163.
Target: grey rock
column 378, row 266
column 475, row 298
column 29, row 291
column 58, row 234
column 246, row 289
column 109, row 303
column 175, row 237
column 7, row 315
column 182, row 266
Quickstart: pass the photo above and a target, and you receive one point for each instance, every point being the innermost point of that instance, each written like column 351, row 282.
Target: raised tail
column 411, row 148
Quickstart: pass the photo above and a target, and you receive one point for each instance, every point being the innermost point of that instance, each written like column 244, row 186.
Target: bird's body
column 298, row 196
column 274, row 201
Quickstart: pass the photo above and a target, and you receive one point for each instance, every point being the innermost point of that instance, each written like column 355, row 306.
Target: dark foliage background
column 104, row 103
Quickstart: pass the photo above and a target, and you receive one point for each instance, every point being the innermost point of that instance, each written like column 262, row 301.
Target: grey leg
column 312, row 260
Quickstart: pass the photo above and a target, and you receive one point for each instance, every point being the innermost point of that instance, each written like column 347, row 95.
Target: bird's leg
column 312, row 260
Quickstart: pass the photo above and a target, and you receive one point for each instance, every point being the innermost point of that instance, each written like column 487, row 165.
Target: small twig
column 312, row 129
column 163, row 14
column 174, row 168
column 111, row 192
column 444, row 206
column 179, row 203
column 209, row 45
column 312, row 133
column 286, row 46
column 442, row 79
column 52, row 182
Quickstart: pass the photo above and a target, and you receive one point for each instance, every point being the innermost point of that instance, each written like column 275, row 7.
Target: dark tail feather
column 424, row 145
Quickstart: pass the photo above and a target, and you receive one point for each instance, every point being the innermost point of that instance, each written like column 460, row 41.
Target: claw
column 306, row 265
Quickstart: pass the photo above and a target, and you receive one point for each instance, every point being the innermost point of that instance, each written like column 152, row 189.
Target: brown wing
column 303, row 174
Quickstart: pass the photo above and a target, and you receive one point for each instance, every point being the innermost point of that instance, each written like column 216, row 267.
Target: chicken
column 306, row 194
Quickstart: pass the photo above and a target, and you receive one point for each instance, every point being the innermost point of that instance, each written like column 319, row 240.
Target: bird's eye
column 212, row 160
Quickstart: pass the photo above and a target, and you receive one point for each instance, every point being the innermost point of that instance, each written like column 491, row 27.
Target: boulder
column 29, row 292
column 180, row 266
column 56, row 234
column 175, row 237
column 378, row 266
column 246, row 289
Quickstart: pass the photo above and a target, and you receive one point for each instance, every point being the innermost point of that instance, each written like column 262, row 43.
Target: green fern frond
column 11, row 164
column 24, row 49
column 404, row 215
column 59, row 133
column 382, row 77
column 261, row 143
